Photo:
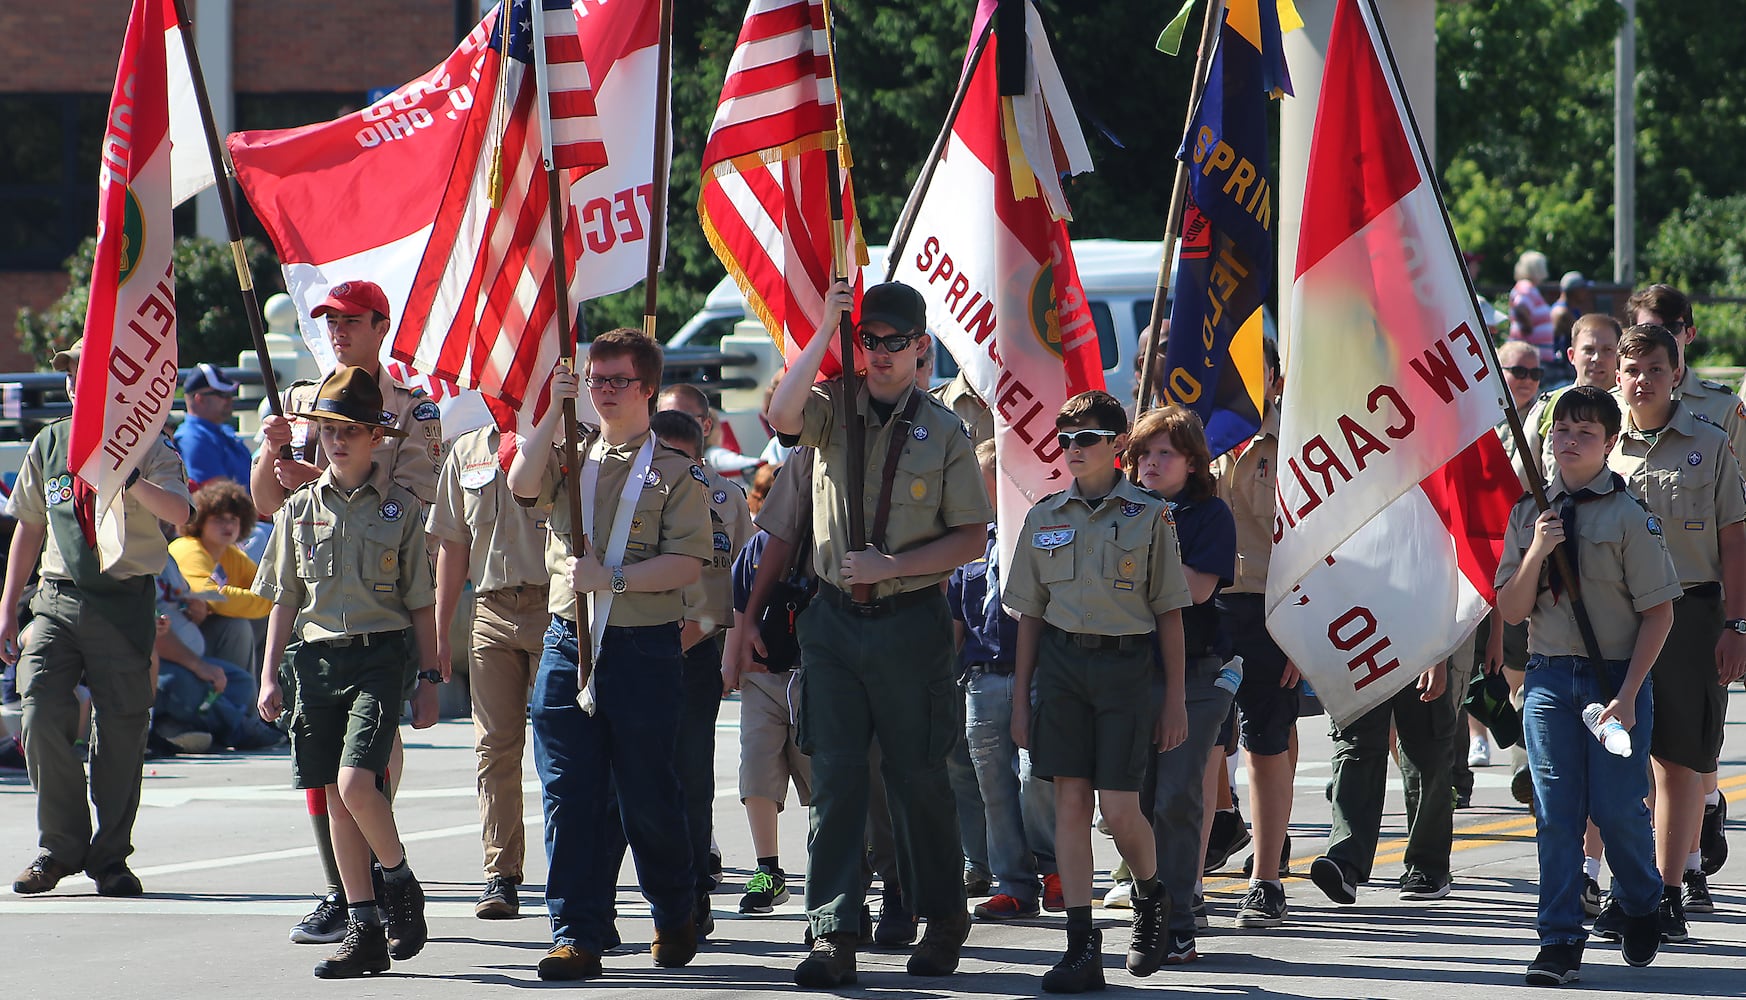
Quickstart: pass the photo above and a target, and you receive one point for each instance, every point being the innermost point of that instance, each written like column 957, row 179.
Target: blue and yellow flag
column 1212, row 363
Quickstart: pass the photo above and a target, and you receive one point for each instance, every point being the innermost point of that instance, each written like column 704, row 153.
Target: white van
column 1119, row 277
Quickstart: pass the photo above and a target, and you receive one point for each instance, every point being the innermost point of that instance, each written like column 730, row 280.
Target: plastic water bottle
column 211, row 700
column 1612, row 735
column 1231, row 677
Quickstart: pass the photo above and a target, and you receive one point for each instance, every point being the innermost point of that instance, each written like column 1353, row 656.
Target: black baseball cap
column 896, row 304
column 206, row 376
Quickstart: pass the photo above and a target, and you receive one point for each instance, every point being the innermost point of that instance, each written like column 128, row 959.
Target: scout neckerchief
column 600, row 601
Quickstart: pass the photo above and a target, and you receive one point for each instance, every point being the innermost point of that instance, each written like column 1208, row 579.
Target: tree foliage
column 210, row 325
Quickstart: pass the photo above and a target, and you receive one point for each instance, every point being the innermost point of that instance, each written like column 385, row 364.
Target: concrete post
column 1412, row 31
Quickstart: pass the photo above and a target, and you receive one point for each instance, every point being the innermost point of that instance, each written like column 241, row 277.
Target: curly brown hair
column 1186, row 435
column 221, row 496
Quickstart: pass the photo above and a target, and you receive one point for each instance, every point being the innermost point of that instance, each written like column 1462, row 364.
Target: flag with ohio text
column 1224, row 270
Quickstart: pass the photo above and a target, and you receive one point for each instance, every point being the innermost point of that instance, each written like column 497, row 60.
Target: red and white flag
column 1393, row 492
column 363, row 197
column 765, row 203
column 127, row 366
column 989, row 251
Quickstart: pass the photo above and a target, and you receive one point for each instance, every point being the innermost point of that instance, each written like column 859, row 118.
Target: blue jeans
column 1020, row 808
column 631, row 738
column 181, row 693
column 972, row 817
column 1575, row 780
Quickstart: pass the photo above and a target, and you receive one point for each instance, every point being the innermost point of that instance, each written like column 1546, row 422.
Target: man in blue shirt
column 210, row 446
column 1020, row 811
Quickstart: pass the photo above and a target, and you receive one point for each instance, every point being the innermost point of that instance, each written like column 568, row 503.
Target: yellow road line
column 1467, row 838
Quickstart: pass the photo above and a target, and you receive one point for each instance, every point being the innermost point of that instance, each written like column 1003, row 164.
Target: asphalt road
column 223, row 850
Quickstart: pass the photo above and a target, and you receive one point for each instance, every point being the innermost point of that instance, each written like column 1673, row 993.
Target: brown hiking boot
column 831, row 964
column 675, row 947
column 937, row 955
column 43, row 874
column 363, row 952
column 566, row 962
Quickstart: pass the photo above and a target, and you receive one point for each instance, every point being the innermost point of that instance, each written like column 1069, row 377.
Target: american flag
column 765, row 205
column 482, row 312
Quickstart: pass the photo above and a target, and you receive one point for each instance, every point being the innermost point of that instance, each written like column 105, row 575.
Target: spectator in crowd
column 1530, row 316
column 210, row 446
column 199, row 695
column 213, row 563
column 1575, row 299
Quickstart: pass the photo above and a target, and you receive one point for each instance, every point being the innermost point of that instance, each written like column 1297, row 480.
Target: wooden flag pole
column 849, row 410
column 906, row 221
column 1150, row 340
column 657, row 229
column 223, row 172
column 566, row 342
column 1530, row 462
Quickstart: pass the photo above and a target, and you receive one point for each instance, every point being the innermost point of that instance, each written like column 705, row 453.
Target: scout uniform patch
column 391, row 510
column 1051, row 537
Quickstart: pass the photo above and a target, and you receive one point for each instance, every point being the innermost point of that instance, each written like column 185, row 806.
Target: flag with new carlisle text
column 996, row 266
column 127, row 366
column 1224, row 269
column 1393, row 492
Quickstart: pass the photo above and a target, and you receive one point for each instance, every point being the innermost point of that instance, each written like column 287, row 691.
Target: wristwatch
column 1737, row 624
column 619, row 586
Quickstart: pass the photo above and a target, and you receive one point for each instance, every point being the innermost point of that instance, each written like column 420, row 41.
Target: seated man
column 197, row 694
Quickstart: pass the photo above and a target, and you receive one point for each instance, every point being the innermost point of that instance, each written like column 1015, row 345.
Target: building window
column 49, row 146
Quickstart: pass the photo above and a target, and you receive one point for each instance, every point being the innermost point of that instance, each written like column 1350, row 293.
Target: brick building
column 268, row 64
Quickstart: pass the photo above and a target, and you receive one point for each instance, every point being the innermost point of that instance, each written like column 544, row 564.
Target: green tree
column 1703, row 246
column 210, row 324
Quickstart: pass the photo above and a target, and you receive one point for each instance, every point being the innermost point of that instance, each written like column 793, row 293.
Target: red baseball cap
column 349, row 298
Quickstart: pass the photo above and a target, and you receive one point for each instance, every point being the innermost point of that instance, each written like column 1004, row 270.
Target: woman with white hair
column 1530, row 316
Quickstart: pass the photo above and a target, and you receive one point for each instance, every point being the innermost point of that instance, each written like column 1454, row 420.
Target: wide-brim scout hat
column 350, row 395
column 68, row 360
column 1488, row 700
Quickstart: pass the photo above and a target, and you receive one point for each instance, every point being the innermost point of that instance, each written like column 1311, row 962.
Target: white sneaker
column 1121, row 897
column 1479, row 752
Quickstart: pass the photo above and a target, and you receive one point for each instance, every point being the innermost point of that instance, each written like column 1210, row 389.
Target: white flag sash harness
column 600, row 602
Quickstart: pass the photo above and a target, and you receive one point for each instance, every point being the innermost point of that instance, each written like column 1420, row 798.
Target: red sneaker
column 1052, row 899
column 1004, row 907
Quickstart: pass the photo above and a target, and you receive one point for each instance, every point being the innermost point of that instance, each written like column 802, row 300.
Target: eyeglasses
column 619, row 382
column 893, row 344
column 1521, row 371
column 1082, row 439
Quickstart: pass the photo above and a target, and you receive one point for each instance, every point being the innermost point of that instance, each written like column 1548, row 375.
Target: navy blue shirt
column 746, row 568
column 991, row 635
column 1207, row 533
column 212, row 451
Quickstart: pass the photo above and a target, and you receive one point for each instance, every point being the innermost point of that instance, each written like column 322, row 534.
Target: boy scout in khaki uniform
column 636, row 562
column 500, row 545
column 348, row 573
column 1683, row 468
column 91, row 627
column 1628, row 585
column 881, row 664
column 1097, row 584
column 1666, row 306
column 709, row 613
column 357, row 322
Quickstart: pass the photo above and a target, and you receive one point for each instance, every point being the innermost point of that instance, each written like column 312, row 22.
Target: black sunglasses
column 893, row 344
column 1084, row 439
column 1521, row 371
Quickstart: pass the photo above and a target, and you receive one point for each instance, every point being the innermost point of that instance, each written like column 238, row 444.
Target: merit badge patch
column 1132, row 509
column 1126, row 567
column 1694, row 459
column 390, row 559
column 636, row 524
column 920, row 433
column 60, row 490
column 426, row 410
column 1052, row 536
column 719, row 496
column 653, row 478
column 391, row 510
column 1654, row 525
column 918, row 489
column 697, row 474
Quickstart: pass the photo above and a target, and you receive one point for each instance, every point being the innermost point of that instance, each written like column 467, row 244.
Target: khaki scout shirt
column 937, row 486
column 1712, row 401
column 350, row 565
column 143, row 552
column 1109, row 567
column 787, row 510
column 671, row 516
column 506, row 542
column 963, row 401
column 1246, row 484
column 710, row 601
column 1687, row 475
column 1621, row 559
column 411, row 461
